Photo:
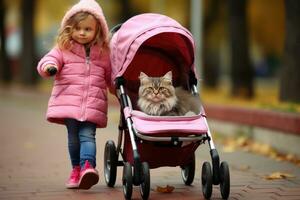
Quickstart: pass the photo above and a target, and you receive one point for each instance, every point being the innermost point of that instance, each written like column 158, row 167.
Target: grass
column 266, row 97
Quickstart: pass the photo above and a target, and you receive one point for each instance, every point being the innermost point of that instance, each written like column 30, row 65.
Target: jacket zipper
column 86, row 86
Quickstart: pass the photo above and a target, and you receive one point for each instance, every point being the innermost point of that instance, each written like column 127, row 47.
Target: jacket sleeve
column 53, row 57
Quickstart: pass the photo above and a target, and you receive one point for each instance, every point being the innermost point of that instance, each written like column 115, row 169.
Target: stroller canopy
column 151, row 43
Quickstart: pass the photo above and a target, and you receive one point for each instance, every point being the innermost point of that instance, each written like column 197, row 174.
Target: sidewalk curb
column 274, row 120
column 278, row 129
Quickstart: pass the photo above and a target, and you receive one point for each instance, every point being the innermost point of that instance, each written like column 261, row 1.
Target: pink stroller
column 156, row 44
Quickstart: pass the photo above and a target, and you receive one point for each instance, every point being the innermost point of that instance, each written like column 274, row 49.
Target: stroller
column 156, row 44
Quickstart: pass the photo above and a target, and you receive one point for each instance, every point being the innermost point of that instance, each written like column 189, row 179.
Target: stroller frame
column 126, row 123
column 134, row 134
column 217, row 174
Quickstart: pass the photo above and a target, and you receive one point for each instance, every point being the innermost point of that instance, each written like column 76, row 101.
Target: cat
column 158, row 97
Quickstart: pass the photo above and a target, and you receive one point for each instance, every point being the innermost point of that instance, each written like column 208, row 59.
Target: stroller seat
column 167, row 125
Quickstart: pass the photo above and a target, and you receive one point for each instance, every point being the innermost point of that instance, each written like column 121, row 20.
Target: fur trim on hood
column 90, row 6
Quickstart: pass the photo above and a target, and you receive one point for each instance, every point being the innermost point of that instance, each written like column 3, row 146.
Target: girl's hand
column 50, row 70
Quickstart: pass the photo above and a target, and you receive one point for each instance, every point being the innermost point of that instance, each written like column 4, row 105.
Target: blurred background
column 247, row 50
column 248, row 59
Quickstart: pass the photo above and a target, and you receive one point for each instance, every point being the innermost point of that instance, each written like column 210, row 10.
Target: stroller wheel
column 145, row 185
column 207, row 177
column 110, row 163
column 127, row 180
column 224, row 180
column 188, row 172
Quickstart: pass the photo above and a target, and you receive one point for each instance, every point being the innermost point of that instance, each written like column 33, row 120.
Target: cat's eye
column 162, row 89
column 169, row 82
column 148, row 90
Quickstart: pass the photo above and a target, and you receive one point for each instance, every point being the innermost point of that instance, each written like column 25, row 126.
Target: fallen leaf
column 246, row 144
column 229, row 149
column 291, row 157
column 167, row 189
column 244, row 168
column 242, row 141
column 279, row 175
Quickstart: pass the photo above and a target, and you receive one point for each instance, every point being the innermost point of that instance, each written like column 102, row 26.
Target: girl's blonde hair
column 64, row 38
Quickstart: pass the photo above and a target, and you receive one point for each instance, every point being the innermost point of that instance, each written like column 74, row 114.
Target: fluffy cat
column 158, row 96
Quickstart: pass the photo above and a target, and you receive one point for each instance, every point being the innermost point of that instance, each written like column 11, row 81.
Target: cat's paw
column 190, row 113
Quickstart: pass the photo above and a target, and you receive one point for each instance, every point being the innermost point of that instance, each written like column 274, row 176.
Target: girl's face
column 85, row 31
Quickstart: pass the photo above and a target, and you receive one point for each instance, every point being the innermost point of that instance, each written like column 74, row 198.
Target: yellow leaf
column 244, row 168
column 229, row 148
column 242, row 141
column 265, row 149
column 279, row 175
column 291, row 157
column 167, row 189
column 233, row 144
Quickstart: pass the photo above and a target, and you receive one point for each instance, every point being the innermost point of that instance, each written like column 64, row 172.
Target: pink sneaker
column 88, row 176
column 73, row 181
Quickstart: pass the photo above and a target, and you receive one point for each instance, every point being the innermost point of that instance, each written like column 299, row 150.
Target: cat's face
column 156, row 89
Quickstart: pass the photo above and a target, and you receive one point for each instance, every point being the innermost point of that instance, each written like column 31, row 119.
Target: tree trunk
column 290, row 74
column 126, row 10
column 211, row 69
column 242, row 73
column 28, row 59
column 5, row 69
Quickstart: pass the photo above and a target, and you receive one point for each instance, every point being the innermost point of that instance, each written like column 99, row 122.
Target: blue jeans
column 81, row 142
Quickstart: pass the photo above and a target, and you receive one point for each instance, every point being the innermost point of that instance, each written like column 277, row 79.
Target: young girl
column 81, row 65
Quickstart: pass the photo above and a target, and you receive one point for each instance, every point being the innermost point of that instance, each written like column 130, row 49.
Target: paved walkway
column 34, row 162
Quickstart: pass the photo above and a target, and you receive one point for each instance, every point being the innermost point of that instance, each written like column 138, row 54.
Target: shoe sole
column 88, row 179
column 72, row 186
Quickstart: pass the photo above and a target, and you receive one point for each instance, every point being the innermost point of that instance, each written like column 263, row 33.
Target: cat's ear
column 168, row 76
column 143, row 76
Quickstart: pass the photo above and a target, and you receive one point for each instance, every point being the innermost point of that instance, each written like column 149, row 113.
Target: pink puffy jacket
column 80, row 86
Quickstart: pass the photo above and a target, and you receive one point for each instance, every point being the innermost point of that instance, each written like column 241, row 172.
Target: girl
column 81, row 65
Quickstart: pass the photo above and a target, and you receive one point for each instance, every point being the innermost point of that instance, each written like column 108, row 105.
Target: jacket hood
column 92, row 7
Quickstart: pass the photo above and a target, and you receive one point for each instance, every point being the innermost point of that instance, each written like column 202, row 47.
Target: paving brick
column 29, row 172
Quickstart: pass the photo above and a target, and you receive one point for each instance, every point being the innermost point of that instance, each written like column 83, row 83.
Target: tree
column 211, row 69
column 242, row 73
column 5, row 69
column 28, row 59
column 126, row 10
column 290, row 74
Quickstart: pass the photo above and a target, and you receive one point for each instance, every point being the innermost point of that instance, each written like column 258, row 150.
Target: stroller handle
column 115, row 28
